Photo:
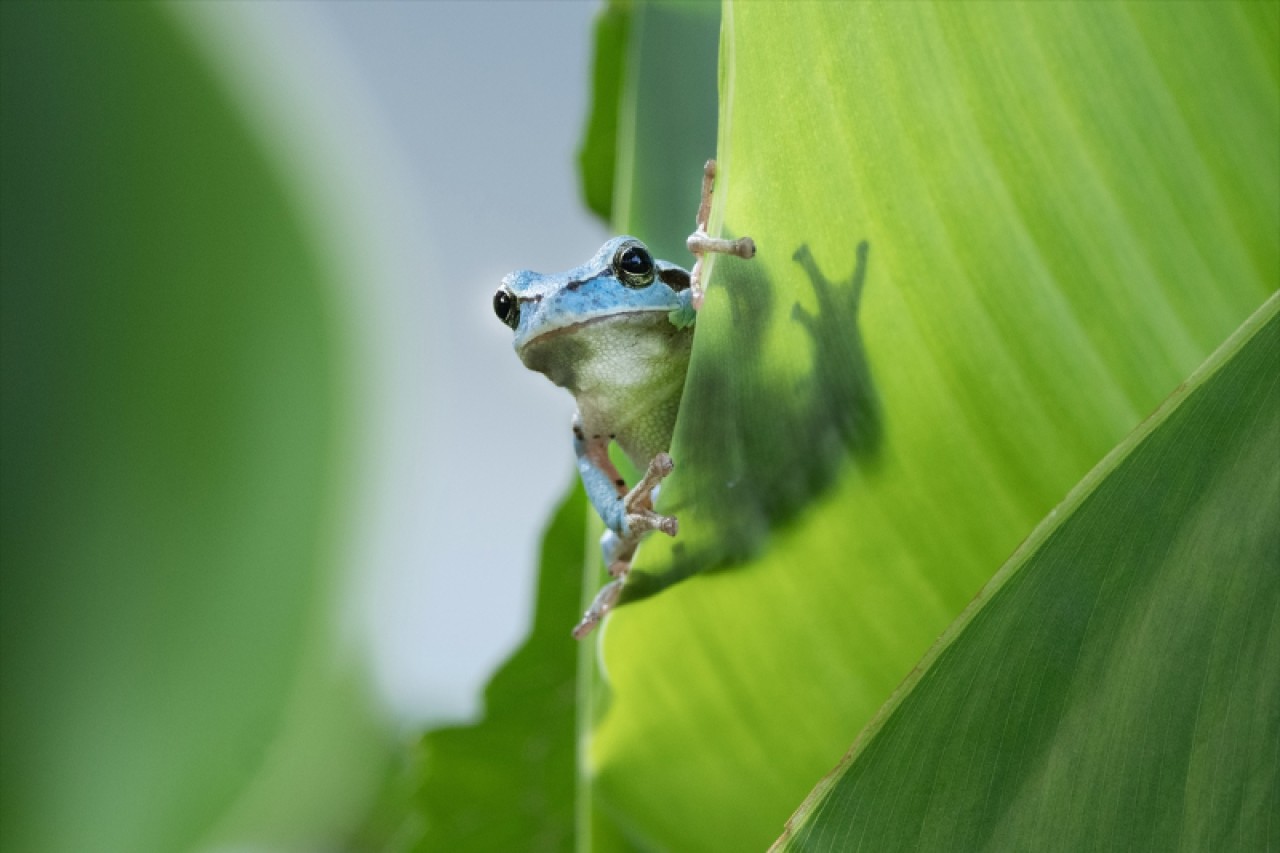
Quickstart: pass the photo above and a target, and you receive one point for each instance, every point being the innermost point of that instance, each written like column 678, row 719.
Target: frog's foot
column 637, row 507
column 605, row 599
column 600, row 606
column 700, row 243
column 619, row 547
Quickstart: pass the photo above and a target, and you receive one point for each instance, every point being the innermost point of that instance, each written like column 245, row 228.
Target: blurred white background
column 434, row 146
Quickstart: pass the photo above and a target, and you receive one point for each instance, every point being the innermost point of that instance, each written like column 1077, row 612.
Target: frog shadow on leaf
column 782, row 444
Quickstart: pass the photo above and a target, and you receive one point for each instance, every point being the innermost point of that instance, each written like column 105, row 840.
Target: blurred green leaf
column 1117, row 685
column 666, row 123
column 508, row 782
column 170, row 445
column 598, row 153
column 993, row 237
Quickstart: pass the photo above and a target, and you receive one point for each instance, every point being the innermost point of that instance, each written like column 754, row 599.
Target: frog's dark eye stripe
column 634, row 265
column 506, row 307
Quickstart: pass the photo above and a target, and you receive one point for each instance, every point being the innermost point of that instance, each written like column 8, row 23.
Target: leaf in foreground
column 1117, row 685
column 171, row 444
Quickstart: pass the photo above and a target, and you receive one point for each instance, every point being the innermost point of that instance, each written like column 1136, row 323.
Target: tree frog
column 617, row 333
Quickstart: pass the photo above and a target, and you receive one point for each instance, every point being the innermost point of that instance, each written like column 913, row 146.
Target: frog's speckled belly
column 627, row 373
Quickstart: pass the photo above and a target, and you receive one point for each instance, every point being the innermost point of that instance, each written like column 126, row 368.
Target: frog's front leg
column 629, row 515
column 700, row 243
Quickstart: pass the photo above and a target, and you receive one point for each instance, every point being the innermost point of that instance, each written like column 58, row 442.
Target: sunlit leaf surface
column 993, row 237
column 1117, row 685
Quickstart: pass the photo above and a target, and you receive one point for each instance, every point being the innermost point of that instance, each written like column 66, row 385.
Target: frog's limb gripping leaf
column 639, row 501
column 619, row 545
column 700, row 243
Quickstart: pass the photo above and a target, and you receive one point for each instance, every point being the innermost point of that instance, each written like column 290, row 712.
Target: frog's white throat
column 626, row 372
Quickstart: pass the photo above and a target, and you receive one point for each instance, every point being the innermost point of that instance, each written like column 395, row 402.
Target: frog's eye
column 634, row 266
column 506, row 307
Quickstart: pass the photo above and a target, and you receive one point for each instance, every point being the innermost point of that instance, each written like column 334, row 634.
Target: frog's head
column 622, row 282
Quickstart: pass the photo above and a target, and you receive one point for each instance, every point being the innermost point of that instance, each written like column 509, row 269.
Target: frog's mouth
column 591, row 324
column 597, row 345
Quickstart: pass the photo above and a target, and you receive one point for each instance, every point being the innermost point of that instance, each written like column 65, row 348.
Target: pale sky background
column 487, row 101
column 433, row 145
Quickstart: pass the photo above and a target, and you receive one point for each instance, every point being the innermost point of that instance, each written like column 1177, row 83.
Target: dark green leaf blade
column 507, row 782
column 1117, row 686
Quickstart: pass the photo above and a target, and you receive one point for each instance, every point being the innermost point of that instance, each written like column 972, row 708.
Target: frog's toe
column 646, row 520
column 639, row 501
column 668, row 524
column 600, row 607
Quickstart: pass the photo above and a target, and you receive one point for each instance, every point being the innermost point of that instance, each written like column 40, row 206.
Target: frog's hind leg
column 604, row 485
column 629, row 515
column 700, row 243
column 604, row 601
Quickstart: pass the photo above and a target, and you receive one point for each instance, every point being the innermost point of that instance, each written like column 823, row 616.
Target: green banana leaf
column 1117, row 685
column 992, row 238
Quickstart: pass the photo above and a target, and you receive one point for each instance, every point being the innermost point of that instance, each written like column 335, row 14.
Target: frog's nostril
column 506, row 307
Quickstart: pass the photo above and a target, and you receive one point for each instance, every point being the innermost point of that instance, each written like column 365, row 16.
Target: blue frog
column 617, row 333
